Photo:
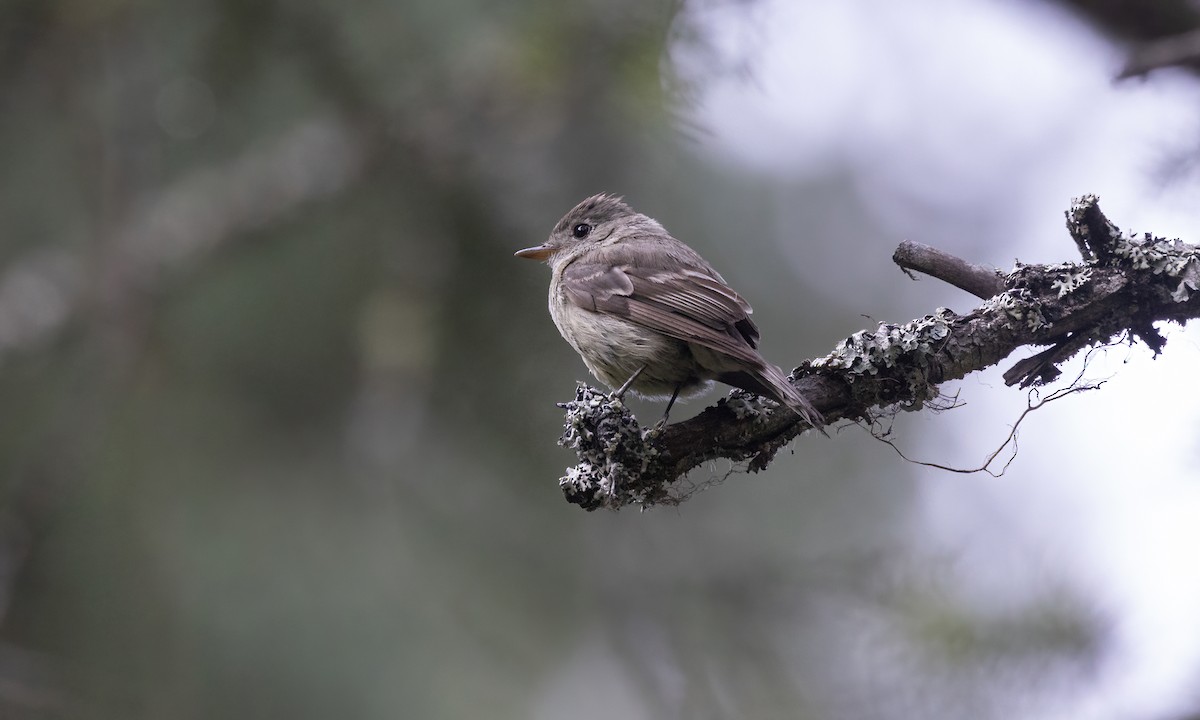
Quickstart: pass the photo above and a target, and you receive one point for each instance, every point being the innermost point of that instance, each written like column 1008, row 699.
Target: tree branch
column 1170, row 51
column 1124, row 286
column 975, row 279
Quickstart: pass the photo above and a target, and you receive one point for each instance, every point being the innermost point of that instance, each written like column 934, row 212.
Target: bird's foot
column 655, row 430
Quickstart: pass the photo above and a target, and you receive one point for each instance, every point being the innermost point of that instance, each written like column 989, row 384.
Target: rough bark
column 1122, row 287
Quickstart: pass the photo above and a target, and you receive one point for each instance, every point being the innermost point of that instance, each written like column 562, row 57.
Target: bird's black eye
column 581, row 230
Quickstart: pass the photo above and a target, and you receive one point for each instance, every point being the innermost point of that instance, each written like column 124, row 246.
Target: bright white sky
column 939, row 99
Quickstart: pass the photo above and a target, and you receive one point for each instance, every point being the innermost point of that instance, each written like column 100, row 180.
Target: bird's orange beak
column 538, row 252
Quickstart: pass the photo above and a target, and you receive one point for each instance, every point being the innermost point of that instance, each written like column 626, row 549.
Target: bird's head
column 600, row 219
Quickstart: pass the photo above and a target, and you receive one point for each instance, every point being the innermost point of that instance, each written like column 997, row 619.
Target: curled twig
column 1034, row 402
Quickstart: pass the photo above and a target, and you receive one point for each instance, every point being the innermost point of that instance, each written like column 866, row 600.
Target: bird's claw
column 655, row 430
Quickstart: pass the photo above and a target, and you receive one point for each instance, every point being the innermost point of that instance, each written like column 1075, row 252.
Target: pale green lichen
column 1140, row 251
column 1160, row 256
column 1189, row 280
column 1169, row 258
column 1069, row 279
column 1077, row 225
column 866, row 352
column 612, row 455
column 745, row 405
column 1079, row 207
column 1020, row 306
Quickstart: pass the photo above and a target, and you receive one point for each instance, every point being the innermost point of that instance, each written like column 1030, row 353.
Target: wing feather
column 671, row 291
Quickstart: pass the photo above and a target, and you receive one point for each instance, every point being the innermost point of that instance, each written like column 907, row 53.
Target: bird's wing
column 676, row 294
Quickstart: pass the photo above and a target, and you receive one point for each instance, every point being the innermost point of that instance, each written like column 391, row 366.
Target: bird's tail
column 769, row 381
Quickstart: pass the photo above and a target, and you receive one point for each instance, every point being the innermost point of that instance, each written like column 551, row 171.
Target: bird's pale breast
column 614, row 348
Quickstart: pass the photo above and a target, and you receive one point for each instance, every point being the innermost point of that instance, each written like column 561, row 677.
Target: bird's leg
column 620, row 393
column 670, row 403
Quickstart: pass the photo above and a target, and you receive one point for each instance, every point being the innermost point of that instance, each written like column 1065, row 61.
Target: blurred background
column 277, row 420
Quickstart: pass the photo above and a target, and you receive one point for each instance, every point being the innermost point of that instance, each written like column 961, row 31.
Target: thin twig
column 1033, row 403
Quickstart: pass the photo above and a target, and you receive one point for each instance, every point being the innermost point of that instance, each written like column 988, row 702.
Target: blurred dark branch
column 1122, row 288
column 215, row 205
column 42, row 292
column 1138, row 20
column 1159, row 32
column 1172, row 51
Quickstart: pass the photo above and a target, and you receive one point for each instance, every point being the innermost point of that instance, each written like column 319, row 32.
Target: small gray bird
column 648, row 314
